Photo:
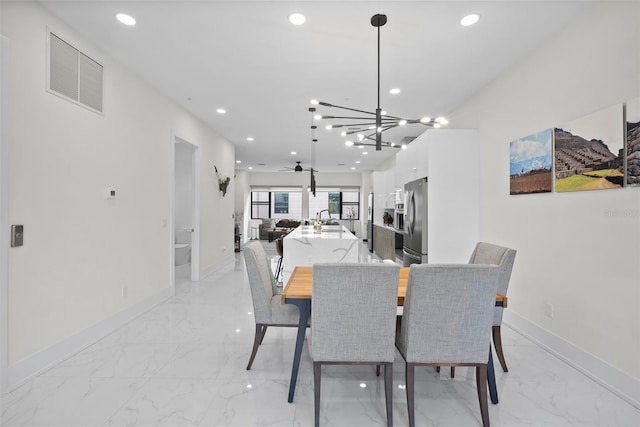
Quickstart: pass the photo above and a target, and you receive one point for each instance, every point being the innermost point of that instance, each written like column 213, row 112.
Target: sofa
column 272, row 228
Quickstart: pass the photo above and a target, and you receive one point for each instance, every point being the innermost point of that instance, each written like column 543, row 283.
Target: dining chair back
column 487, row 253
column 448, row 310
column 353, row 320
column 268, row 309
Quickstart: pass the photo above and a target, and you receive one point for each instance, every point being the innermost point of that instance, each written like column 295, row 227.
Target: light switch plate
column 17, row 235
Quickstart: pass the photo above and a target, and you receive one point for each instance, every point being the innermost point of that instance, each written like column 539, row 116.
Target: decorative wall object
column 589, row 152
column 530, row 163
column 633, row 142
column 223, row 181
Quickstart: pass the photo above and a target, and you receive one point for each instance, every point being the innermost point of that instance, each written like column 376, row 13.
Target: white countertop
column 327, row 232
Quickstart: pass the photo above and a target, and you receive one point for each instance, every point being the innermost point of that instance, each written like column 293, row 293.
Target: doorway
column 186, row 213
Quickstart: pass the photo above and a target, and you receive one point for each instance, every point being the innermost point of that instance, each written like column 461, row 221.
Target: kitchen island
column 306, row 246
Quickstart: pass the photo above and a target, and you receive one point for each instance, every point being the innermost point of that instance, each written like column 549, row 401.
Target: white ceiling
column 246, row 57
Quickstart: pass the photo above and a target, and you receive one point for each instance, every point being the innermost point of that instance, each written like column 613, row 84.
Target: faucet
column 319, row 214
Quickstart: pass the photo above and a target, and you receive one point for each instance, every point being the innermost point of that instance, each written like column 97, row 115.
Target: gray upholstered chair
column 447, row 317
column 487, row 253
column 268, row 308
column 353, row 320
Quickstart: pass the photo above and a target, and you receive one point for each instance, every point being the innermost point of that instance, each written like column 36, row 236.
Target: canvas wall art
column 633, row 142
column 589, row 152
column 530, row 163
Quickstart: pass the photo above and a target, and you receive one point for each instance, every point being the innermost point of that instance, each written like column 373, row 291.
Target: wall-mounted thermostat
column 17, row 235
column 109, row 193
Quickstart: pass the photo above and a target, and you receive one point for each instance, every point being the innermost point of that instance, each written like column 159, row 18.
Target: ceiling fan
column 297, row 168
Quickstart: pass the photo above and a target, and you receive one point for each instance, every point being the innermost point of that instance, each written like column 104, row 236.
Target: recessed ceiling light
column 293, row 153
column 297, row 18
column 469, row 20
column 357, row 162
column 126, row 19
column 221, row 111
column 238, row 161
column 249, row 138
column 394, row 91
column 250, row 167
column 364, row 153
column 353, row 168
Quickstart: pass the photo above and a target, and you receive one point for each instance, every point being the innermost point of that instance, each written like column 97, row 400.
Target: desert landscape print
column 633, row 142
column 589, row 152
column 530, row 163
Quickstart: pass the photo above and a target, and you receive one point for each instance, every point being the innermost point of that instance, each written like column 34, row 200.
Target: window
column 260, row 204
column 341, row 204
column 276, row 203
column 281, row 202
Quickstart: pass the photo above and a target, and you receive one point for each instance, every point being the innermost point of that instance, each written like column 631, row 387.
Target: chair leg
column 388, row 392
column 409, row 379
column 377, row 370
column 481, row 385
column 257, row 340
column 278, row 269
column 497, row 343
column 453, row 372
column 264, row 332
column 316, row 392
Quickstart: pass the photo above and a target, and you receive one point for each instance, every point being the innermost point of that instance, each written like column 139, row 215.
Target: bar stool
column 280, row 251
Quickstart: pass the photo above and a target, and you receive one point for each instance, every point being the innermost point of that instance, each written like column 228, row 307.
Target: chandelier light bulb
column 360, row 137
column 343, row 133
column 402, row 122
column 348, row 143
column 328, row 127
column 379, row 130
column 442, row 120
column 315, row 102
column 404, row 146
column 317, row 117
column 425, row 119
column 436, row 125
column 394, row 91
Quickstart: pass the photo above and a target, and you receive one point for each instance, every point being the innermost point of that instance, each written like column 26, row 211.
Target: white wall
column 90, row 263
column 578, row 251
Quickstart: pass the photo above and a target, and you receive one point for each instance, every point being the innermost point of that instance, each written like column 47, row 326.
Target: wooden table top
column 301, row 282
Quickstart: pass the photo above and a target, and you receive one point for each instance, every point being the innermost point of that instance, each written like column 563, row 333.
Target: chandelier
column 369, row 126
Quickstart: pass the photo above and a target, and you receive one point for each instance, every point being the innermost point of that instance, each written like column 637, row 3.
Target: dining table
column 298, row 291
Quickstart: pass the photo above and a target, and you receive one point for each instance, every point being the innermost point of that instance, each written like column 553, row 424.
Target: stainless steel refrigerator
column 414, row 250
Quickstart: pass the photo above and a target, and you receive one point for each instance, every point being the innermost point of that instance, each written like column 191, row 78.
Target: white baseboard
column 225, row 263
column 620, row 383
column 26, row 369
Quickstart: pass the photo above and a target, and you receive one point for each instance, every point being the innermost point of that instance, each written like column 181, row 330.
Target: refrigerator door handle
column 411, row 213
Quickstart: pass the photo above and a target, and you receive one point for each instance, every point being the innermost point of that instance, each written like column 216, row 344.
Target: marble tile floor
column 183, row 364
